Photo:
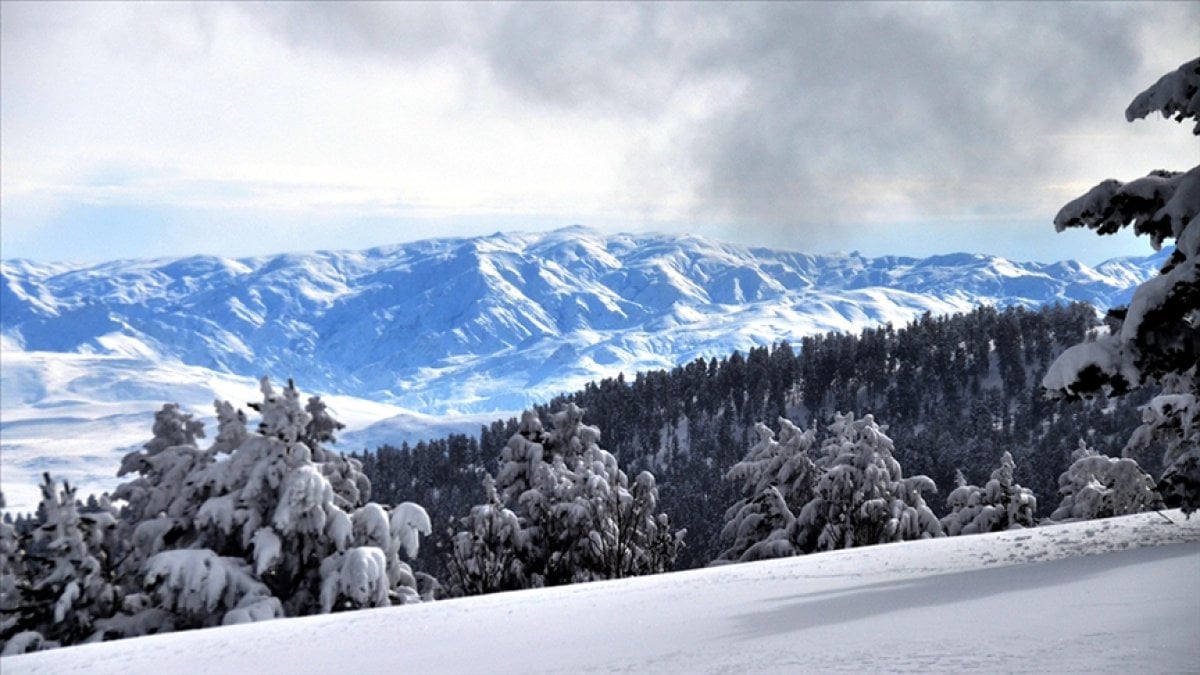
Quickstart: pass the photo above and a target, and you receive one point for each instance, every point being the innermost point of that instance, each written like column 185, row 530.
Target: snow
column 416, row 341
column 409, row 520
column 1108, row 596
column 1176, row 94
column 76, row 415
column 420, row 324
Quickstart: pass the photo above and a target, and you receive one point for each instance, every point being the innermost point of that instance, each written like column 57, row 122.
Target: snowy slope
column 496, row 323
column 1115, row 596
column 77, row 415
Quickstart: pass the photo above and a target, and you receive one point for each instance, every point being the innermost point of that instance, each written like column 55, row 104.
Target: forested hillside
column 956, row 392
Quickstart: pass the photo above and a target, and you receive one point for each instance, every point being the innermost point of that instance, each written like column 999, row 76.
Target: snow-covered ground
column 76, row 415
column 1116, row 595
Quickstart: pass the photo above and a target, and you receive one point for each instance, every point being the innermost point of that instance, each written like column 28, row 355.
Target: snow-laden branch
column 1176, row 94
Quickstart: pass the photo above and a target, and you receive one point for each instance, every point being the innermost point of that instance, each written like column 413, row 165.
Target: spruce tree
column 485, row 555
column 579, row 516
column 261, row 524
column 1001, row 504
column 58, row 583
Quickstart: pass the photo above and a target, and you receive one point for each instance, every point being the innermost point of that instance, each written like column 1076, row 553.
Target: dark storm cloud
column 843, row 100
column 840, row 111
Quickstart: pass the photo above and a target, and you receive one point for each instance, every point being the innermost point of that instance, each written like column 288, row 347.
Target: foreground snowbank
column 1097, row 596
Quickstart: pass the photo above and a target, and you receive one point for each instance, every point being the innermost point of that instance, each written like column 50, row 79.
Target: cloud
column 801, row 124
column 823, row 113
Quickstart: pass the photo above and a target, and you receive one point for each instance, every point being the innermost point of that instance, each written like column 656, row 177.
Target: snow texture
column 580, row 518
column 778, row 479
column 1098, row 486
column 862, row 497
column 1001, row 504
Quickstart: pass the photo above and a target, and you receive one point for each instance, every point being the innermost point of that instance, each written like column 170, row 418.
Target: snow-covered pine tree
column 1099, row 486
column 862, row 497
column 1001, row 504
column 777, row 479
column 262, row 524
column 162, row 467
column 603, row 527
column 13, row 583
column 64, row 585
column 522, row 458
column 578, row 517
column 484, row 556
column 1158, row 335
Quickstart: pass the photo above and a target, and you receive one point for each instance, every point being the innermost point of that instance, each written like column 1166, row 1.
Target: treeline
column 956, row 393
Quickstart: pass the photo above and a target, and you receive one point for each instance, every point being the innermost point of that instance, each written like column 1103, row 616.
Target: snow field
column 1114, row 595
column 77, row 415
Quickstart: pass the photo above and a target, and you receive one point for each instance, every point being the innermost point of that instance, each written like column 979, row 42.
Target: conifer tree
column 778, row 479
column 579, row 518
column 862, row 497
column 485, row 556
column 1001, row 504
column 1157, row 337
column 59, row 583
column 261, row 524
column 1099, row 486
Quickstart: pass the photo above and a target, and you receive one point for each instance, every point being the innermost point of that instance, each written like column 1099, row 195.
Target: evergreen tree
column 261, row 524
column 14, row 583
column 59, row 584
column 1001, row 504
column 862, row 497
column 684, row 426
column 579, row 517
column 1156, row 339
column 1098, row 486
column 777, row 480
column 485, row 556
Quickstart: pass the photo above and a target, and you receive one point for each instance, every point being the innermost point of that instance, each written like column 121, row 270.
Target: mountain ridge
column 494, row 323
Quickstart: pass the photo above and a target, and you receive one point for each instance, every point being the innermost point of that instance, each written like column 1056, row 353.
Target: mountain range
column 498, row 322
column 421, row 339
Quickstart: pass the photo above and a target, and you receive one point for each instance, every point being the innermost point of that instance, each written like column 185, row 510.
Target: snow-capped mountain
column 419, row 340
column 495, row 323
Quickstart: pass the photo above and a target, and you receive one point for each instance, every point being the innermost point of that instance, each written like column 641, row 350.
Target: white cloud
column 779, row 119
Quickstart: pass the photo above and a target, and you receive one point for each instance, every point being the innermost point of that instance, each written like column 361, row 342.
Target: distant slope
column 496, row 323
column 76, row 415
column 1109, row 596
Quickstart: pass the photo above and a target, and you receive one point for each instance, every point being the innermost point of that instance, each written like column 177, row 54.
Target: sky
column 145, row 130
